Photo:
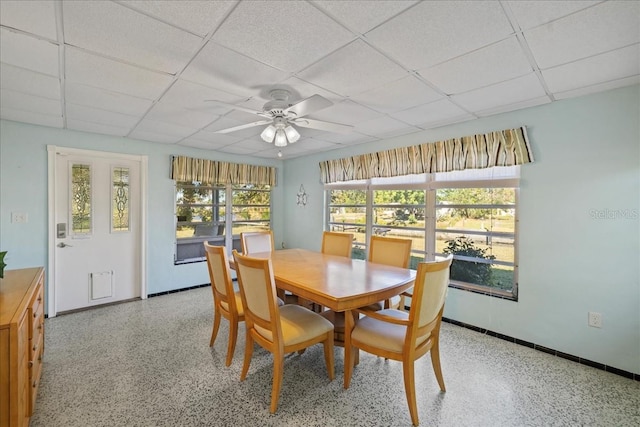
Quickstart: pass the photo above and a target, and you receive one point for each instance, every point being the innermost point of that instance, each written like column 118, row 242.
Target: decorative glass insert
column 120, row 199
column 81, row 199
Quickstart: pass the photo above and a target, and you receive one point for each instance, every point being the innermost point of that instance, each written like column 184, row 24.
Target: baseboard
column 547, row 350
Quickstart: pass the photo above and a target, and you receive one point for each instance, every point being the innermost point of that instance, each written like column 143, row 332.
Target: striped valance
column 500, row 148
column 188, row 169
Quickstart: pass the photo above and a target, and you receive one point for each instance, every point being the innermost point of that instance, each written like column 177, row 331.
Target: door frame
column 52, row 151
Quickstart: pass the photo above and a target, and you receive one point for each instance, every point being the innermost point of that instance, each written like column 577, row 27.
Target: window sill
column 189, row 261
column 484, row 290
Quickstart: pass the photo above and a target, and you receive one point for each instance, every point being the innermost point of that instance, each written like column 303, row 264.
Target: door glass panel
column 120, row 199
column 81, row 199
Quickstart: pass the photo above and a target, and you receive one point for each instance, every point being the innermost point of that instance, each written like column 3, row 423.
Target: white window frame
column 430, row 184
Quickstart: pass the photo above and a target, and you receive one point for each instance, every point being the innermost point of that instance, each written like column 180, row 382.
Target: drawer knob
column 39, row 299
column 35, row 347
column 35, row 384
column 31, row 363
column 35, row 315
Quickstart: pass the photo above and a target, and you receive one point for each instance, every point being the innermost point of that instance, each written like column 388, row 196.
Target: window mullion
column 228, row 217
column 368, row 216
column 430, row 225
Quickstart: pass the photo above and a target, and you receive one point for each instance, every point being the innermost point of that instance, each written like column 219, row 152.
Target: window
column 471, row 214
column 203, row 213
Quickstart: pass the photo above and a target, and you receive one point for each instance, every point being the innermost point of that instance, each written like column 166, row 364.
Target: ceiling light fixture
column 280, row 132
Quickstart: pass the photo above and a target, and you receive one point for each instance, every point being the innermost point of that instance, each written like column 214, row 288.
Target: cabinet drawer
column 36, row 309
column 35, row 370
column 37, row 326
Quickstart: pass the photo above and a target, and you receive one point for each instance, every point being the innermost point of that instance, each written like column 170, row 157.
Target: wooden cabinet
column 21, row 343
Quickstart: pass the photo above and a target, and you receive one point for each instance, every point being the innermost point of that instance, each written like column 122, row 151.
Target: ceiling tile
column 154, row 137
column 30, row 82
column 96, row 127
column 515, row 106
column 399, row 95
column 428, row 33
column 199, row 17
column 7, row 113
column 166, row 111
column 216, row 66
column 163, row 128
column 36, row 17
column 300, row 34
column 492, row 64
column 119, row 32
column 105, row 100
column 612, row 65
column 505, row 93
column 361, row 16
column 232, row 149
column 42, row 55
column 530, row 14
column 348, row 70
column 346, row 112
column 92, row 70
column 25, row 102
column 212, row 140
column 629, row 81
column 186, row 103
column 384, row 127
column 429, row 113
column 347, row 138
column 95, row 115
column 601, row 28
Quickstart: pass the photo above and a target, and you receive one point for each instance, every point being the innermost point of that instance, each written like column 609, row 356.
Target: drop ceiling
column 144, row 69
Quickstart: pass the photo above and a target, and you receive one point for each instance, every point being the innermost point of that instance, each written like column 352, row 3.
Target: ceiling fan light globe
column 292, row 134
column 268, row 134
column 281, row 138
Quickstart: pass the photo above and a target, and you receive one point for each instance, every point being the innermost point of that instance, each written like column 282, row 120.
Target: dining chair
column 334, row 243
column 280, row 330
column 257, row 241
column 398, row 335
column 227, row 302
column 391, row 251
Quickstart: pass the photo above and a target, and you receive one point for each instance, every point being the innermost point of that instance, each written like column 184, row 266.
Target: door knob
column 63, row 245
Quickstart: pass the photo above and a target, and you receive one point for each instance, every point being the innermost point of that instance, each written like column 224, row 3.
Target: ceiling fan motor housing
column 279, row 102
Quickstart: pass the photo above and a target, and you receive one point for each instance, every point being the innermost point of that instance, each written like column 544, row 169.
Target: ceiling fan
column 280, row 116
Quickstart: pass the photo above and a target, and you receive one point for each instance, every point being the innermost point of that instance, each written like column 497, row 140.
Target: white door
column 96, row 229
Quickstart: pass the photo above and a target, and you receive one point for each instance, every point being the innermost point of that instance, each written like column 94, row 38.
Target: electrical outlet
column 595, row 319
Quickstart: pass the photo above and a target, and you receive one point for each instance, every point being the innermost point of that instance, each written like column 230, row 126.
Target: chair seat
column 384, row 335
column 300, row 324
column 239, row 306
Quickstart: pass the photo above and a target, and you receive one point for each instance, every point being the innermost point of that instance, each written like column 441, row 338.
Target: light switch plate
column 18, row 217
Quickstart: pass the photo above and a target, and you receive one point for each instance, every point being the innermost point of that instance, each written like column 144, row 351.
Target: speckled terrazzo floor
column 148, row 363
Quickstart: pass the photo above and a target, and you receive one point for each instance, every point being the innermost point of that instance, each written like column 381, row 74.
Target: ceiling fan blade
column 318, row 124
column 237, row 107
column 248, row 125
column 308, row 106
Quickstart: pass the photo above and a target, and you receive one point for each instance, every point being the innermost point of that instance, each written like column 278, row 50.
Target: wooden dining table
column 339, row 283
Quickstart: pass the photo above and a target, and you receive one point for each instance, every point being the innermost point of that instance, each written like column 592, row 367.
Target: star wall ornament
column 301, row 199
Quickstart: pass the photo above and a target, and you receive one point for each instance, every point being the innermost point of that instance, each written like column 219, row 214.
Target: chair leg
column 248, row 352
column 233, row 335
column 410, row 389
column 278, row 367
column 435, row 361
column 216, row 326
column 328, row 355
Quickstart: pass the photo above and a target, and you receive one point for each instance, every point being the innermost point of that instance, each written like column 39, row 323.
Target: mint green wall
column 23, row 188
column 587, row 153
